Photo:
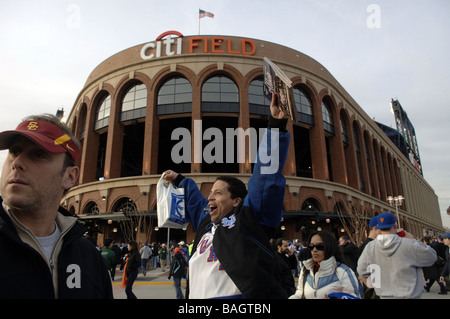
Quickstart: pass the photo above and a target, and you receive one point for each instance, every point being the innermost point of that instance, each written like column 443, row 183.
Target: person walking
column 393, row 264
column 288, row 264
column 433, row 272
column 132, row 268
column 446, row 269
column 118, row 253
column 43, row 250
column 178, row 271
column 163, row 256
column 324, row 272
column 109, row 255
column 146, row 253
column 350, row 253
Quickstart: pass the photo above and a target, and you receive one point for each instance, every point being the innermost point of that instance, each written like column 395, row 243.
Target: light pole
column 398, row 201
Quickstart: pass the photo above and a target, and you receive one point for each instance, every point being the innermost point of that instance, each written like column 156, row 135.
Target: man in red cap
column 44, row 254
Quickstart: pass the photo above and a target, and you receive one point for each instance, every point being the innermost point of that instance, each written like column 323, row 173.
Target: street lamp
column 398, row 201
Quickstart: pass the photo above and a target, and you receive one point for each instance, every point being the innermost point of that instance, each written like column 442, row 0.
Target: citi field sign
column 197, row 44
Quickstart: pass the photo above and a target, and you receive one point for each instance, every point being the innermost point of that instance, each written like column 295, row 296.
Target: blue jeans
column 177, row 284
column 144, row 262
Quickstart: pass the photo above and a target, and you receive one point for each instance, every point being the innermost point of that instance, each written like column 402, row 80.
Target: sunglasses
column 319, row 246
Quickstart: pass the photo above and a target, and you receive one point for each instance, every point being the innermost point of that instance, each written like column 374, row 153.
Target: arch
column 311, row 204
column 90, row 208
column 220, row 93
column 124, row 205
column 174, row 96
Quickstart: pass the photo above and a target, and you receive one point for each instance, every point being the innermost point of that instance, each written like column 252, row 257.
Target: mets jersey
column 207, row 277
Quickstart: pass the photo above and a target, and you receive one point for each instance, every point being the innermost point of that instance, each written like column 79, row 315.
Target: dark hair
column 235, row 186
column 107, row 242
column 280, row 241
column 133, row 246
column 331, row 245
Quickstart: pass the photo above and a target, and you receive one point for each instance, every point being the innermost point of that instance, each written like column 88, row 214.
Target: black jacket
column 178, row 268
column 24, row 274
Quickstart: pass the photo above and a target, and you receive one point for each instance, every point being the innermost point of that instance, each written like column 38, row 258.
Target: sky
column 377, row 50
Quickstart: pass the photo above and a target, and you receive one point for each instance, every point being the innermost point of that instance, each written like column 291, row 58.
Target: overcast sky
column 377, row 50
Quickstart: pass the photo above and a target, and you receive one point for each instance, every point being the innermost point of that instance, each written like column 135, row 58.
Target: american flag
column 203, row 14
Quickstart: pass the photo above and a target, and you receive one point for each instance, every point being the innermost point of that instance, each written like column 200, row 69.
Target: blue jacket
column 241, row 241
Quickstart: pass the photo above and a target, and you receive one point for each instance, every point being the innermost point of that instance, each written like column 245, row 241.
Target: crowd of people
column 46, row 255
column 321, row 265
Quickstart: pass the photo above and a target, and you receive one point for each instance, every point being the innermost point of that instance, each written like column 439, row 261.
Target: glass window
column 175, row 96
column 103, row 111
column 344, row 131
column 303, row 105
column 220, row 89
column 134, row 99
column 327, row 118
column 258, row 102
column 220, row 94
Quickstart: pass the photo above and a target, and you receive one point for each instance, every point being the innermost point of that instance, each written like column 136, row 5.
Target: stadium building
column 341, row 169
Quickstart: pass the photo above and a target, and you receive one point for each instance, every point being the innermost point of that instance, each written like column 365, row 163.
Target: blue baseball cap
column 373, row 221
column 385, row 220
column 341, row 295
column 446, row 235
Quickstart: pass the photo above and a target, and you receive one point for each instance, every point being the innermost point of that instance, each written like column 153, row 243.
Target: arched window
column 103, row 111
column 303, row 105
column 327, row 117
column 91, row 208
column 310, row 205
column 134, row 103
column 220, row 94
column 258, row 103
column 175, row 96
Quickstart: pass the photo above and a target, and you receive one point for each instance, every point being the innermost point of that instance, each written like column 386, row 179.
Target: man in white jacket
column 392, row 264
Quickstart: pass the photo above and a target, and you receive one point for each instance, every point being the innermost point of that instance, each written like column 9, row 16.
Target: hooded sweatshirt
column 393, row 265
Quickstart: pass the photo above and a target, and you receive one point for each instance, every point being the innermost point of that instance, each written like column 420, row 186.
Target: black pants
column 132, row 275
column 431, row 282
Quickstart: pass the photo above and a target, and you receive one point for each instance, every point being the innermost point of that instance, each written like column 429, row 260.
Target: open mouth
column 212, row 208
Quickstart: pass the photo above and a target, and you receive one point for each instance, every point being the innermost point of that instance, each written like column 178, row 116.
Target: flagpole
column 198, row 21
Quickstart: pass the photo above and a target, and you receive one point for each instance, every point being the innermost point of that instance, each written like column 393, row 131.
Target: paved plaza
column 155, row 285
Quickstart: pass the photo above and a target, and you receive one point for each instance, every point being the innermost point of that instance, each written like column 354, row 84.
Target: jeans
column 144, row 262
column 154, row 261
column 177, row 284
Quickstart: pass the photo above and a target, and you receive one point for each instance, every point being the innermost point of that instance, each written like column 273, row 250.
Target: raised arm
column 267, row 185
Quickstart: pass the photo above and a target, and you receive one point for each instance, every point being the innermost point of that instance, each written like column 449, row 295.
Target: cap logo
column 382, row 220
column 33, row 126
column 62, row 139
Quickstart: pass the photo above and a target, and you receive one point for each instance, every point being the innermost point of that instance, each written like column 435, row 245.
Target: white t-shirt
column 207, row 278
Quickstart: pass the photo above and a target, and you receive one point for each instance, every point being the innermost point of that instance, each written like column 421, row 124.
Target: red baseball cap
column 47, row 135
